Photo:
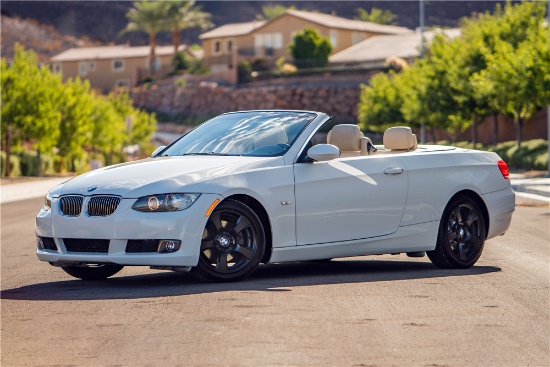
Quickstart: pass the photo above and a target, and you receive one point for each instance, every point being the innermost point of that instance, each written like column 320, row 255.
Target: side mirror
column 323, row 152
column 157, row 151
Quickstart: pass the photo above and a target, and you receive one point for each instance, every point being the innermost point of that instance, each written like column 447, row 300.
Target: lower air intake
column 86, row 245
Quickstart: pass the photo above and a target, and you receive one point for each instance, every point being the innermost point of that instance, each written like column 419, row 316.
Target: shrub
column 14, row 163
column 310, row 49
column 284, row 68
column 244, row 71
column 179, row 62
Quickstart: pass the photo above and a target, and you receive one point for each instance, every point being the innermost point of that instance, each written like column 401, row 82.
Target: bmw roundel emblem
column 92, row 188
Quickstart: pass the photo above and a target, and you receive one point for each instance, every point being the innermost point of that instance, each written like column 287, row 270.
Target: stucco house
column 108, row 67
column 269, row 39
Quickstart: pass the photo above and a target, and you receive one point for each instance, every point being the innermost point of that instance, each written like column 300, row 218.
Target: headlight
column 165, row 202
column 47, row 202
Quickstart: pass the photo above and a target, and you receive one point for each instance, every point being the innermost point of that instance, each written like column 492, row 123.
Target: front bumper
column 123, row 225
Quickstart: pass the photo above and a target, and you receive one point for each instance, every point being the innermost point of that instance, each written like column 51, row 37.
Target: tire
column 233, row 244
column 93, row 271
column 461, row 235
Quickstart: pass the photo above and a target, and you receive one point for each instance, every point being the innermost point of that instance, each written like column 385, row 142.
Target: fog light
column 39, row 243
column 169, row 246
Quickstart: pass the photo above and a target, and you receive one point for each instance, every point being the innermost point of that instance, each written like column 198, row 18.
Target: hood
column 159, row 175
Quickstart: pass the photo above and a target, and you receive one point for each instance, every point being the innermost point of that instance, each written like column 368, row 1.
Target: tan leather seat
column 350, row 140
column 400, row 138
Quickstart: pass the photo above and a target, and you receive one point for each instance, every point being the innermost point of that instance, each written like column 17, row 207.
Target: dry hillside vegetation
column 45, row 40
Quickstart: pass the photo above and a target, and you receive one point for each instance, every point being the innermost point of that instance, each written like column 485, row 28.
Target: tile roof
column 333, row 21
column 111, row 52
column 379, row 48
column 233, row 29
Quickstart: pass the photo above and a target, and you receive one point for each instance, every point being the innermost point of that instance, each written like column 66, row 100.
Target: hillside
column 45, row 40
column 103, row 20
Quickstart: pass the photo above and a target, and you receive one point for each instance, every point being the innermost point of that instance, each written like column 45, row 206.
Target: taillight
column 503, row 167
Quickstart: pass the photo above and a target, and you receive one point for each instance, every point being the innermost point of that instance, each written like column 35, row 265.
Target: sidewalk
column 537, row 188
column 27, row 190
column 522, row 183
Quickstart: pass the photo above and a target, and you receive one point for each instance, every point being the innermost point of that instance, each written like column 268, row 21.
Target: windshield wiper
column 212, row 153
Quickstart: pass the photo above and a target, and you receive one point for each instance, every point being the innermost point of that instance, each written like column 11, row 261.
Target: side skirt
column 419, row 237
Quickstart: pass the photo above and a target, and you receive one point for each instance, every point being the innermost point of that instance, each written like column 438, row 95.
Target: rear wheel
column 233, row 244
column 93, row 271
column 461, row 236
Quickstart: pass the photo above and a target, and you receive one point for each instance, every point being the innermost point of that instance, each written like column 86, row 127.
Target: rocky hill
column 45, row 40
column 103, row 20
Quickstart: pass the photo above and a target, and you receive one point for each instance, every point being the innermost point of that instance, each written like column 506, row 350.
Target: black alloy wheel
column 461, row 236
column 92, row 271
column 233, row 244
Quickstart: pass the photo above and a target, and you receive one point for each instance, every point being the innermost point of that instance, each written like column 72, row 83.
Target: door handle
column 393, row 171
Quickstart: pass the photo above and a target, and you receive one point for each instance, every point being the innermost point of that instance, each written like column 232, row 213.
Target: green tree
column 140, row 125
column 181, row 15
column 518, row 77
column 149, row 17
column 76, row 126
column 273, row 11
column 376, row 16
column 310, row 49
column 511, row 24
column 381, row 102
column 29, row 103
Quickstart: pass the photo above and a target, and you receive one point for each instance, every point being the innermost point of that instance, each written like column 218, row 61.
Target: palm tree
column 376, row 16
column 183, row 14
column 149, row 17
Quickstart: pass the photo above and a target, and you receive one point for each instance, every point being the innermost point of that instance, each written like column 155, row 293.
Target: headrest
column 399, row 138
column 272, row 136
column 346, row 137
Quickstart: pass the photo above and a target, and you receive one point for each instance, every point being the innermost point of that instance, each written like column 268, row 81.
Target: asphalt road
column 368, row 311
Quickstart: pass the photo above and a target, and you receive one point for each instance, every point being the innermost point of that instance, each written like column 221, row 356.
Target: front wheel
column 93, row 271
column 461, row 235
column 233, row 244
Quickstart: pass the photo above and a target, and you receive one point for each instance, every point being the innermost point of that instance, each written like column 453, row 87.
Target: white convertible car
column 258, row 187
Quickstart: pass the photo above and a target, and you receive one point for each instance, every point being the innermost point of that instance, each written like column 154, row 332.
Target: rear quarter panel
column 435, row 177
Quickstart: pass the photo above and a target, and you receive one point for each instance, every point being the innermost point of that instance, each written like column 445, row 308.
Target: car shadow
column 267, row 278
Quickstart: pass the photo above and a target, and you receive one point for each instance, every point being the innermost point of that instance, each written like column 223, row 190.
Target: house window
column 56, row 67
column 354, row 38
column 334, row 38
column 229, row 46
column 118, row 65
column 217, row 47
column 91, row 65
column 82, row 68
column 269, row 40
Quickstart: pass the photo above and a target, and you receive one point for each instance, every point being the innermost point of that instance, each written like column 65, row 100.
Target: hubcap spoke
column 457, row 214
column 241, row 224
column 206, row 244
column 245, row 251
column 472, row 217
column 221, row 265
column 475, row 240
column 461, row 251
column 216, row 220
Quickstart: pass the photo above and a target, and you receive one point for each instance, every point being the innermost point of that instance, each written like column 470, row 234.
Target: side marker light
column 209, row 211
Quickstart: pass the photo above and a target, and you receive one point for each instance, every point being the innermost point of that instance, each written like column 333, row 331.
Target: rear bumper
column 500, row 205
column 126, row 224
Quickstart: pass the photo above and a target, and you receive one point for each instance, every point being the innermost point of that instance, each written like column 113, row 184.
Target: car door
column 349, row 198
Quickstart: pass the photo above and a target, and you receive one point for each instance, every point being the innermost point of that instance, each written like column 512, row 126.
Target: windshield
column 263, row 134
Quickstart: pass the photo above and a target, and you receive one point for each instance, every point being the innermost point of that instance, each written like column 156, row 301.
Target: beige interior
column 400, row 138
column 349, row 139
